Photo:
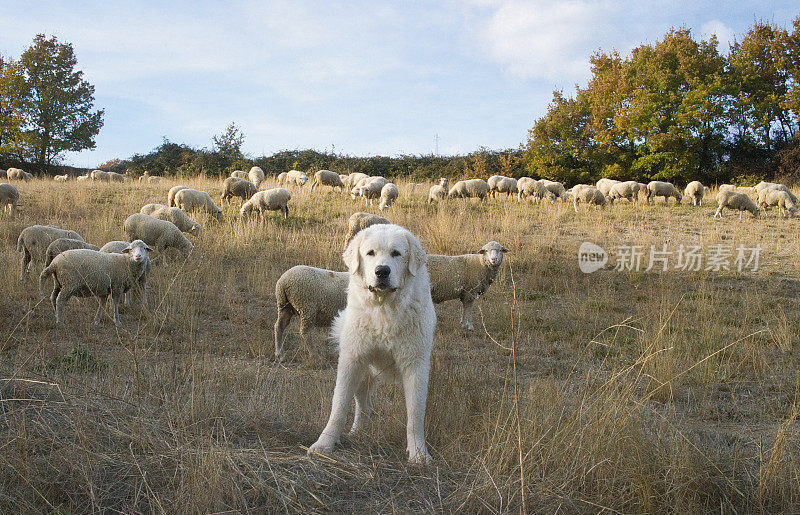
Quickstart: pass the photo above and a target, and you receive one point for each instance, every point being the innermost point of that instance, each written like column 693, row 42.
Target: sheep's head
column 137, row 251
column 492, row 254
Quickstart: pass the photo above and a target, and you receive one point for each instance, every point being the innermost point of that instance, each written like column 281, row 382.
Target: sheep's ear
column 351, row 256
column 503, row 249
column 148, row 249
column 482, row 251
column 416, row 255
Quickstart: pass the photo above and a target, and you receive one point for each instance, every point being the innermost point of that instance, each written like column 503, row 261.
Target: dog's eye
column 371, row 253
column 395, row 253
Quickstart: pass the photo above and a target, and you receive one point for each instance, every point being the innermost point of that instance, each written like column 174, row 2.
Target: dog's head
column 381, row 257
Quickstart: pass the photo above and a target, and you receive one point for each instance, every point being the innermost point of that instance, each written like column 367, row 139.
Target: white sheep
column 195, row 200
column 327, row 178
column 471, row 188
column 736, row 201
column 491, row 182
column 507, row 185
column 316, row 295
column 465, row 277
column 556, row 188
column 145, row 175
column 174, row 215
column 83, row 178
column 61, row 178
column 18, row 174
column 662, row 189
column 605, row 185
column 761, row 186
column 590, row 196
column 256, row 175
column 389, row 194
column 747, row 190
column 283, row 177
column 9, row 197
column 695, row 191
column 60, row 245
column 172, row 192
column 157, row 233
column 533, row 189
column 353, row 179
column 90, row 273
column 371, row 187
column 296, row 177
column 628, row 190
column 275, row 199
column 33, row 242
column 240, row 174
column 118, row 247
column 154, row 178
column 768, row 197
column 359, row 221
column 439, row 191
column 344, row 178
column 100, row 175
column 234, row 187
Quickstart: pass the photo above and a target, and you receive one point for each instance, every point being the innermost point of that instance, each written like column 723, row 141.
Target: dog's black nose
column 382, row 271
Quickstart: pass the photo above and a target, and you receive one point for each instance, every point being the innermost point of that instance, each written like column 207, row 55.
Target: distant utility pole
column 436, row 141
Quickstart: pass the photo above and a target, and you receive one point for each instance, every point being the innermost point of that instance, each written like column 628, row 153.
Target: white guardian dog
column 385, row 332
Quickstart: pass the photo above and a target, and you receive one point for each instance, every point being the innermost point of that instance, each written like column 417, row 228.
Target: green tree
column 12, row 118
column 229, row 143
column 57, row 102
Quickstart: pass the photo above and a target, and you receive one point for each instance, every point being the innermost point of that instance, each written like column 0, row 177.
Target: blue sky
column 362, row 78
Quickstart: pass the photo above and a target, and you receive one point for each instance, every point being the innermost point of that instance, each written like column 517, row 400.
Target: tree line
column 678, row 110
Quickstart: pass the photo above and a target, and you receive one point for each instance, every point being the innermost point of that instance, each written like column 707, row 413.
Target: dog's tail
column 335, row 334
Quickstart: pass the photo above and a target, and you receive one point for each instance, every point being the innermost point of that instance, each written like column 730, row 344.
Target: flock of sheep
column 315, row 295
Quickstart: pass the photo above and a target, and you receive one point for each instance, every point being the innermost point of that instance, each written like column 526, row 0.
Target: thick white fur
column 385, row 332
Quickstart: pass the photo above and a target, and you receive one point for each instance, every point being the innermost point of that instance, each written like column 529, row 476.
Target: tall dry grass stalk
column 616, row 391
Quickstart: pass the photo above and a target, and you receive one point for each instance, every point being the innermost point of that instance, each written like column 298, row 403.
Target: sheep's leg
column 466, row 314
column 348, row 375
column 285, row 211
column 284, row 317
column 718, row 213
column 26, row 259
column 116, row 297
column 61, row 301
column 101, row 302
column 54, row 295
column 363, row 403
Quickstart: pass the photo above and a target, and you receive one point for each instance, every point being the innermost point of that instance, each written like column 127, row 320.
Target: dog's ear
column 351, row 256
column 417, row 257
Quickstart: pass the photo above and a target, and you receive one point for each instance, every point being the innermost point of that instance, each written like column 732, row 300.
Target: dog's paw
column 420, row 459
column 321, row 446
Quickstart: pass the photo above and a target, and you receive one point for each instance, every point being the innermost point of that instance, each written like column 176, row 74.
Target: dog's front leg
column 415, row 386
column 348, row 375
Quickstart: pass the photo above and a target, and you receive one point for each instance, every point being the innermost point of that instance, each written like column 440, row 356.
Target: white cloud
column 725, row 35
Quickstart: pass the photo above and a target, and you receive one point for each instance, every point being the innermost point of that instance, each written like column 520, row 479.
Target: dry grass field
column 611, row 392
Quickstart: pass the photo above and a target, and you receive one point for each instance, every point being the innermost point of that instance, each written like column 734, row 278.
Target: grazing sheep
column 605, row 185
column 315, row 294
column 371, row 188
column 90, row 273
column 82, row 178
column 761, row 186
column 590, row 196
column 465, row 277
column 556, row 188
column 695, row 191
column 233, row 187
column 100, row 175
column 172, row 192
column 491, row 182
column 174, row 215
column 296, row 177
column 194, row 200
column 275, row 199
column 18, row 175
column 60, row 245
column 240, row 174
column 344, row 177
column 118, row 247
column 736, row 201
column 144, row 176
column 283, row 177
column 475, row 188
column 534, row 189
column 9, row 197
column 61, row 178
column 359, row 221
column 439, row 191
column 327, row 178
column 33, row 242
column 628, row 190
column 507, row 185
column 389, row 194
column 747, row 190
column 768, row 197
column 157, row 233
column 353, row 179
column 256, row 175
column 662, row 189
column 154, row 178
